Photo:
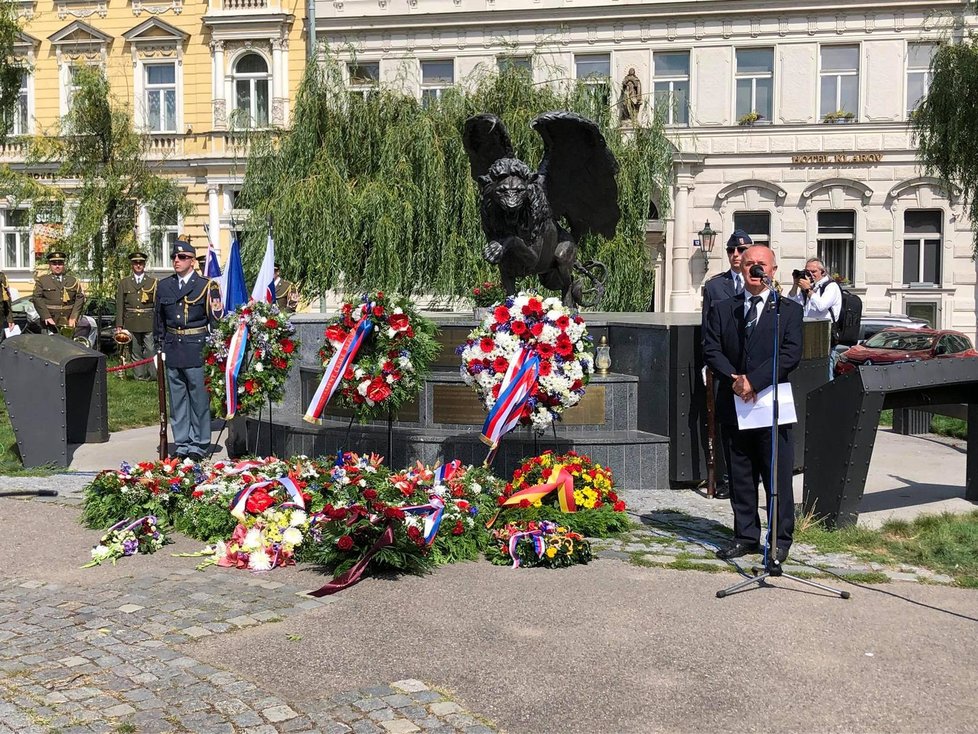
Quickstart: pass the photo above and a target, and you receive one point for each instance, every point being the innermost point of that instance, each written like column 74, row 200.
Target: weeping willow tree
column 98, row 146
column 945, row 124
column 374, row 191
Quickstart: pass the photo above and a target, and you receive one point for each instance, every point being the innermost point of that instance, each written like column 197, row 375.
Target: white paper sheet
column 760, row 414
column 12, row 331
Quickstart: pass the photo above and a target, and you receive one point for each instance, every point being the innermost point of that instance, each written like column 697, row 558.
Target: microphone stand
column 771, row 567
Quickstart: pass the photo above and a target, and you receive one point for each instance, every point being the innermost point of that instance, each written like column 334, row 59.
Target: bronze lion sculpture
column 522, row 209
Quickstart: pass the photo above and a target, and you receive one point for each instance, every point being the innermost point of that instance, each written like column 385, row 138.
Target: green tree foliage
column 376, row 192
column 98, row 146
column 11, row 68
column 945, row 124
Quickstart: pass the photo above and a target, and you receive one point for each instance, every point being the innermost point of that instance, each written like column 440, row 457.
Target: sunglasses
column 183, row 256
column 740, row 248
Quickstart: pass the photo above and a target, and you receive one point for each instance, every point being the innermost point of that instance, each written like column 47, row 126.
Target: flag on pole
column 264, row 289
column 212, row 268
column 235, row 290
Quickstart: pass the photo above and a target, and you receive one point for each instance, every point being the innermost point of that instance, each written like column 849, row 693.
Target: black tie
column 752, row 314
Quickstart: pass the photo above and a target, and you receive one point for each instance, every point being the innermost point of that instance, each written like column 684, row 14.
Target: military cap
column 182, row 247
column 739, row 237
column 56, row 256
column 138, row 257
column 277, row 266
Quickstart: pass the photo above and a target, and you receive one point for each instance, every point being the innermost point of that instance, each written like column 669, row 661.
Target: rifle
column 161, row 391
column 711, row 435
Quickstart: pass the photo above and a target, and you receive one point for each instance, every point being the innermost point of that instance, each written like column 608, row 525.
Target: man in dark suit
column 187, row 305
column 719, row 288
column 738, row 347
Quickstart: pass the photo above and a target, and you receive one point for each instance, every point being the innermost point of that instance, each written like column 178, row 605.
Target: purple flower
column 129, row 547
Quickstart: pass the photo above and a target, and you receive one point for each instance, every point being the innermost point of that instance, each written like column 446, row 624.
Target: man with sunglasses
column 187, row 305
column 719, row 288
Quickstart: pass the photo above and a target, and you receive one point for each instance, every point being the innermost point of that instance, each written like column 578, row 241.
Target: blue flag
column 235, row 290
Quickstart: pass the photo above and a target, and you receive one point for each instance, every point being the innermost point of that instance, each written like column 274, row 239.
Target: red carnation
column 598, row 504
column 288, row 346
column 500, row 364
column 518, row 328
column 271, row 324
column 246, row 312
column 348, row 373
column 620, row 506
column 486, row 344
column 565, row 350
column 336, row 333
column 459, row 528
column 501, row 314
column 250, row 386
column 211, row 359
column 259, row 501
column 546, row 351
column 378, row 390
column 546, row 367
column 345, row 543
column 413, row 533
column 524, row 503
column 197, row 493
column 378, row 311
column 370, row 494
column 279, row 363
column 562, row 321
column 380, row 294
column 398, row 321
column 537, row 328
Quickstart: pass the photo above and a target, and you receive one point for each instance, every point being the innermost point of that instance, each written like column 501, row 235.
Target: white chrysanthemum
column 414, row 521
column 553, row 304
column 252, row 540
column 574, row 370
column 541, row 418
column 518, row 303
column 292, row 536
column 220, row 549
column 358, row 373
column 587, row 362
column 99, row 551
column 259, row 561
column 476, row 488
column 405, row 363
column 549, row 334
column 259, row 367
column 298, row 518
column 554, row 383
column 507, row 344
column 362, row 387
column 391, row 332
column 575, row 331
column 241, row 390
column 167, row 469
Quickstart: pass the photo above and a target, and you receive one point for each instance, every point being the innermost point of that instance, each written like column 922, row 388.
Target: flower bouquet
column 267, row 357
column 546, row 328
column 488, row 294
column 127, row 538
column 157, row 488
column 387, row 348
column 542, row 543
column 267, row 538
column 599, row 511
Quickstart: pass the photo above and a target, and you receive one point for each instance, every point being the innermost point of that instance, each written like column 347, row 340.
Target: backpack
column 845, row 326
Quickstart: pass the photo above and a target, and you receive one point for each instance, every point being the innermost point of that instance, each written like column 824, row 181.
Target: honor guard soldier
column 6, row 312
column 187, row 305
column 286, row 293
column 135, row 302
column 58, row 296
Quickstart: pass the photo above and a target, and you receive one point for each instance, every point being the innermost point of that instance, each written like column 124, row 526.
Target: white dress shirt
column 824, row 301
column 760, row 306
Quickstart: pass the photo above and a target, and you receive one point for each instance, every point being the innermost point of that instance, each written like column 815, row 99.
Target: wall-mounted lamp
column 708, row 238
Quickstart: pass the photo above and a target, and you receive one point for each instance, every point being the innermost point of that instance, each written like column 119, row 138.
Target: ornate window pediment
column 156, row 7
column 81, row 8
column 156, row 38
column 837, row 188
column 79, row 40
column 25, row 46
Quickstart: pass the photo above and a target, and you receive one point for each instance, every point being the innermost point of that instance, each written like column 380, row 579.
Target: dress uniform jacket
column 135, row 304
column 286, row 294
column 61, row 300
column 182, row 319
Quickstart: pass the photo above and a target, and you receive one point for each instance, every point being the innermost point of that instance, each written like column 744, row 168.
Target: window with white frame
column 523, row 64
column 364, row 77
column 756, row 224
column 20, row 124
column 836, row 242
column 594, row 70
column 161, row 97
column 919, row 58
column 670, row 86
column 251, row 87
column 16, row 233
column 436, row 77
column 839, row 82
column 922, row 246
column 755, row 84
column 163, row 230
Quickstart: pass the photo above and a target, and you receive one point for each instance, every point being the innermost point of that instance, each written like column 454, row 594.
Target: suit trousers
column 142, row 348
column 190, row 410
column 750, row 458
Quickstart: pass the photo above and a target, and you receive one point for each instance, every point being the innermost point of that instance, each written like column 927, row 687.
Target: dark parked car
column 905, row 345
column 29, row 321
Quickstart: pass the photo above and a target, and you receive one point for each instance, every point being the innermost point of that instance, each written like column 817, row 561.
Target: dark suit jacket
column 186, row 309
column 718, row 288
column 727, row 351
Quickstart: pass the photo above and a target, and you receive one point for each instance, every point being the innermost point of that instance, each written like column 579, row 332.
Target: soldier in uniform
column 6, row 313
column 134, row 304
column 58, row 296
column 286, row 293
column 187, row 305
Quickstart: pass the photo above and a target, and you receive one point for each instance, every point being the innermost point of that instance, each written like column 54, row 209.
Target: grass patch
column 131, row 404
column 942, row 425
column 942, row 543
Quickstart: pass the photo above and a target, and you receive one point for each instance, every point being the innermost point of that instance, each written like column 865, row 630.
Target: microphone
column 757, row 271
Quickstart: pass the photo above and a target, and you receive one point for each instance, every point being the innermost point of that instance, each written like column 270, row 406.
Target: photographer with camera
column 816, row 291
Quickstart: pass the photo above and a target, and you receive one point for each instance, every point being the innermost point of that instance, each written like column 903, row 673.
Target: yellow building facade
column 193, row 75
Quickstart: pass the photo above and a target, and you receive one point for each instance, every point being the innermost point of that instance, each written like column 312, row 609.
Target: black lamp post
column 708, row 238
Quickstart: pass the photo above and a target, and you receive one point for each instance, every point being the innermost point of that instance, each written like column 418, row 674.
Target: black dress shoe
column 195, row 456
column 736, row 550
column 781, row 555
column 722, row 492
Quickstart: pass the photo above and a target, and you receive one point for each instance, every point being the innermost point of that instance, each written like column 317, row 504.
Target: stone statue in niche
column 630, row 103
column 522, row 209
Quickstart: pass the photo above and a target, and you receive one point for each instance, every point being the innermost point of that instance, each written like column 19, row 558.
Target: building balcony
column 13, row 150
column 159, row 146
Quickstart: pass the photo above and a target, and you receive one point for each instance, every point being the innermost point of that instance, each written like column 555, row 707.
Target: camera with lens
column 799, row 274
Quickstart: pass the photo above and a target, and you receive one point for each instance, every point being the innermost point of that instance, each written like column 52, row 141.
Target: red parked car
column 905, row 345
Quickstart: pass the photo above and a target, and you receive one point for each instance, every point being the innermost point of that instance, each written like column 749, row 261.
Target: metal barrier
column 843, row 415
column 56, row 395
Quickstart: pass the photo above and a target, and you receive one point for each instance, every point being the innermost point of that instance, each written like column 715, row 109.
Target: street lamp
column 708, row 238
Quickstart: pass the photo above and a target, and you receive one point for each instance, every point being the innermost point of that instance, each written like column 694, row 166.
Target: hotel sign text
column 806, row 159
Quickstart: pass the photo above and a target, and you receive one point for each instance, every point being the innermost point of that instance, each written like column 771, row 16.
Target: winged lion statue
column 522, row 209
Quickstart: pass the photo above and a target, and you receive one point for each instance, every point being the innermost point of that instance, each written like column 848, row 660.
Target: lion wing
column 579, row 172
column 486, row 140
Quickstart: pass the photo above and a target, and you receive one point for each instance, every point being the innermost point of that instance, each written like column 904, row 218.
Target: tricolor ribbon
column 126, row 525
column 337, row 367
column 232, row 368
column 355, row 572
column 535, row 535
column 240, row 501
column 560, row 480
column 514, row 391
column 445, row 472
column 432, row 512
column 242, row 466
